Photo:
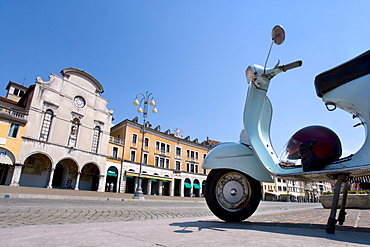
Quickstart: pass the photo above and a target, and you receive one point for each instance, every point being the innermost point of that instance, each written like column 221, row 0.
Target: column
column 77, row 180
column 149, row 186
column 160, row 190
column 101, row 186
column 172, row 187
column 51, row 178
column 182, row 188
column 122, row 187
column 16, row 175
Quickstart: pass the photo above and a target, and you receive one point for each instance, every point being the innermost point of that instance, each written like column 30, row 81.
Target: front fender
column 238, row 157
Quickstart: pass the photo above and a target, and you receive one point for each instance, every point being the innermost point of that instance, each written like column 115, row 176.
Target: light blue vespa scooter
column 233, row 189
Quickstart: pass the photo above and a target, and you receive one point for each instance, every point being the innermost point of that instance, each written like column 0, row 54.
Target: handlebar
column 291, row 65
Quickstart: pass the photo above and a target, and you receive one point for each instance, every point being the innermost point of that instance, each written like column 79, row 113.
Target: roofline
column 70, row 71
column 17, row 84
column 171, row 136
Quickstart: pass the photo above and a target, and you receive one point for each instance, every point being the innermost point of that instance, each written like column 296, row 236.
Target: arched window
column 74, row 133
column 46, row 125
column 96, row 139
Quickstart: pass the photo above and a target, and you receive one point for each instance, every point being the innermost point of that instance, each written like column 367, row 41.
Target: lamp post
column 143, row 100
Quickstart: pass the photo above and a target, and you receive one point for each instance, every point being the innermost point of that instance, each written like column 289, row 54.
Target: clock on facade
column 79, row 101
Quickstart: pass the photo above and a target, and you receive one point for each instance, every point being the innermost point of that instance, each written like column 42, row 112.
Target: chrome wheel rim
column 233, row 191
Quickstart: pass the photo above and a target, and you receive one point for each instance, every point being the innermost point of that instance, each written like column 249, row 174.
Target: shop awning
column 154, row 180
column 196, row 186
column 188, row 185
column 148, row 176
column 112, row 172
column 272, row 193
column 6, row 157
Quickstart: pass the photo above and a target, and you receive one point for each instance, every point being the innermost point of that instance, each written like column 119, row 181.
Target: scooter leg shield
column 238, row 157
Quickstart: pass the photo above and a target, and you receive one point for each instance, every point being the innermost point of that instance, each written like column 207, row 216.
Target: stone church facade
column 66, row 137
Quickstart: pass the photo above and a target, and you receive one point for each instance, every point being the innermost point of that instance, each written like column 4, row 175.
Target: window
column 146, row 142
column 161, row 162
column 134, row 138
column 167, row 163
column 133, row 156
column 46, row 124
column 96, row 137
column 145, row 159
column 156, row 161
column 115, row 152
column 74, row 133
column 157, row 145
column 178, row 151
column 13, row 130
column 167, row 148
column 177, row 165
column 192, row 154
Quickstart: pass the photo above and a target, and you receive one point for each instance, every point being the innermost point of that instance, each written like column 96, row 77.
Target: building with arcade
column 59, row 134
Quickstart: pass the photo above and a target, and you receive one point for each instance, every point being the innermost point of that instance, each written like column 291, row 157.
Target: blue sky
column 192, row 55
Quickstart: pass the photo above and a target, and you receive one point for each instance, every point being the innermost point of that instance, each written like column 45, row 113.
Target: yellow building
column 171, row 164
column 13, row 118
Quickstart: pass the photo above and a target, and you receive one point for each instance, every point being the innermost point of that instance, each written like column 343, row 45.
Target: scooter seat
column 353, row 69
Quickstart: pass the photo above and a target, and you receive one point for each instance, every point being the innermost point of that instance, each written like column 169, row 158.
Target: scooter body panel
column 353, row 97
column 238, row 157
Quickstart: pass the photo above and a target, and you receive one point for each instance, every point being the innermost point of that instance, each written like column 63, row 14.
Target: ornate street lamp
column 143, row 101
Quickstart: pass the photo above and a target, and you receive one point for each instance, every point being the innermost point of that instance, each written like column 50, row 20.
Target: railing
column 13, row 113
column 116, row 140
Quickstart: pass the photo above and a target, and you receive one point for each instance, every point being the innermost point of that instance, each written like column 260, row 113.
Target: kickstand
column 342, row 212
column 330, row 226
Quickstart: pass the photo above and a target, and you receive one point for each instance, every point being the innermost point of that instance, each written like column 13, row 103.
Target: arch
column 89, row 179
column 65, row 173
column 41, row 153
column 187, row 187
column 36, row 170
column 203, row 187
column 196, row 187
column 6, row 156
column 7, row 159
column 112, row 179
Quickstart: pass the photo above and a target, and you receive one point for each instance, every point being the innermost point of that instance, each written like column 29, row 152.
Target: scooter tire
column 232, row 195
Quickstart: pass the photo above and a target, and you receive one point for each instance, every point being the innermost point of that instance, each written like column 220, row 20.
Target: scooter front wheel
column 231, row 195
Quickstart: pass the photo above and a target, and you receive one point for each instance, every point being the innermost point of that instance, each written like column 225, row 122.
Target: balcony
column 13, row 115
column 116, row 140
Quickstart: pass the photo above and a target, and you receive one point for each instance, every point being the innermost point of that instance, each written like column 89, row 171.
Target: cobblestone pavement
column 16, row 212
column 21, row 212
column 24, row 206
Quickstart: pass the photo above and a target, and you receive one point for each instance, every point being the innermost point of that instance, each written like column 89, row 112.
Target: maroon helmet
column 316, row 146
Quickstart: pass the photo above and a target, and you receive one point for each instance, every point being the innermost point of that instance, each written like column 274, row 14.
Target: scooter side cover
column 238, row 157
